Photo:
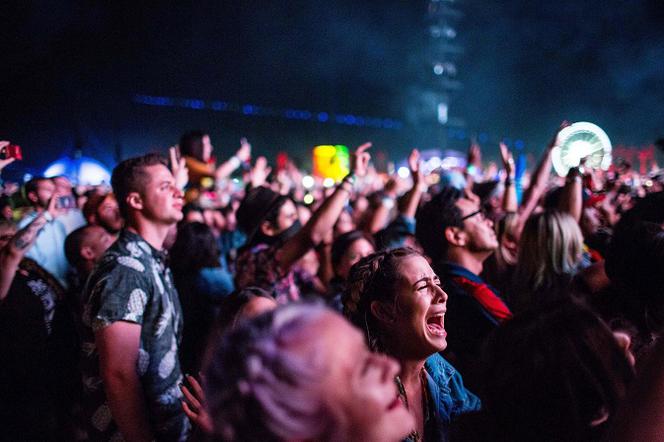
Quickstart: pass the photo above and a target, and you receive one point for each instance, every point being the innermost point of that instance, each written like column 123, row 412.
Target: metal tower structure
column 444, row 50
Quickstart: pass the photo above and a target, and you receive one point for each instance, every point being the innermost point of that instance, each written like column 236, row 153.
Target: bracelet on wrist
column 350, row 178
column 347, row 186
column 509, row 181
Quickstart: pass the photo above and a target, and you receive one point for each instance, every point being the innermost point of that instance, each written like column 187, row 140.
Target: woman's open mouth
column 436, row 324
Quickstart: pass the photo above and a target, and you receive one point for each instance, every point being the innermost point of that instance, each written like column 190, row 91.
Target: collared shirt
column 48, row 249
column 133, row 284
column 448, row 398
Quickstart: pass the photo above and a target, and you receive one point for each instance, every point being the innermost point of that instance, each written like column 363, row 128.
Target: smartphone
column 13, row 151
column 65, row 202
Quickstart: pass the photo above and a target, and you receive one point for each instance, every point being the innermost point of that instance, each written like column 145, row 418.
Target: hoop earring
column 373, row 343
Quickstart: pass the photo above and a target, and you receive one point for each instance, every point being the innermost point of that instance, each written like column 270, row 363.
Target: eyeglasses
column 480, row 212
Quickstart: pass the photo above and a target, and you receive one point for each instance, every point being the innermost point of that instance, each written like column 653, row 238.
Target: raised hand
column 414, row 164
column 508, row 160
column 360, row 160
column 178, row 168
column 555, row 141
column 6, row 161
column 475, row 155
column 260, row 172
column 244, row 152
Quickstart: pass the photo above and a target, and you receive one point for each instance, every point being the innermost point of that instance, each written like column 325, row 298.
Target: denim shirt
column 449, row 398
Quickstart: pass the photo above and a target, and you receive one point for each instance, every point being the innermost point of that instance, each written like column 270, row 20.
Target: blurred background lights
column 308, row 181
column 80, row 170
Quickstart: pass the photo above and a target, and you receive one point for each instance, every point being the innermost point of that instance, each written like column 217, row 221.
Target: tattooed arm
column 12, row 254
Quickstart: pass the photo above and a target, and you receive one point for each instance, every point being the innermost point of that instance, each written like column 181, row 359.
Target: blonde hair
column 550, row 250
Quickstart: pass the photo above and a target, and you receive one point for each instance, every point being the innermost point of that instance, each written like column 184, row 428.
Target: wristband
column 508, row 181
column 350, row 178
column 343, row 186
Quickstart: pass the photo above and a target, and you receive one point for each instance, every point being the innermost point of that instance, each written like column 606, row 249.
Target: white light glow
column 54, row 169
column 328, row 182
column 308, row 181
column 403, row 172
column 308, row 198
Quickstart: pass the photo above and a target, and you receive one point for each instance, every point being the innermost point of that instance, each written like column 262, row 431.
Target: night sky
column 71, row 70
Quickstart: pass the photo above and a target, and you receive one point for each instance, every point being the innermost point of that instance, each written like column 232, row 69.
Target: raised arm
column 322, row 221
column 473, row 164
column 12, row 254
column 381, row 216
column 243, row 154
column 413, row 196
column 538, row 182
column 571, row 199
column 509, row 194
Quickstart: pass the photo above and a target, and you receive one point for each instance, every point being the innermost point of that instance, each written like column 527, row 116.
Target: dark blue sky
column 71, row 69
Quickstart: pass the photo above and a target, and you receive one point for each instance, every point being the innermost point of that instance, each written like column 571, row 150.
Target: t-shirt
column 48, row 249
column 38, row 346
column 132, row 283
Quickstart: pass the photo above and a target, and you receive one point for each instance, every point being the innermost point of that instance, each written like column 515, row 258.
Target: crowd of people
column 196, row 300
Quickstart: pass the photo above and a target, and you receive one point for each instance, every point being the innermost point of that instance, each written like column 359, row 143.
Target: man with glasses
column 458, row 237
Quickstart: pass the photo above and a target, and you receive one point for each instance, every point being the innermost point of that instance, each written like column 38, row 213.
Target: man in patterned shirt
column 132, row 316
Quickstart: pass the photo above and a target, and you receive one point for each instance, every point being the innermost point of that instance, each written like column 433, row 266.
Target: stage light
column 403, row 172
column 443, row 115
column 328, row 182
column 308, row 199
column 81, row 170
column 581, row 140
column 434, row 163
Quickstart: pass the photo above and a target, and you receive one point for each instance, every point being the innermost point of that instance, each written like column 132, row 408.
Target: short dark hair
column 343, row 242
column 32, row 185
column 129, row 176
column 194, row 249
column 191, row 144
column 432, row 220
column 73, row 244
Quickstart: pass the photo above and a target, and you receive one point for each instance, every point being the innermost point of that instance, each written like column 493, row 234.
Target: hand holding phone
column 65, row 202
column 13, row 151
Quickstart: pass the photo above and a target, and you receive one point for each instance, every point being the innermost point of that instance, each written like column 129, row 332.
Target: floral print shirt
column 132, row 283
column 258, row 267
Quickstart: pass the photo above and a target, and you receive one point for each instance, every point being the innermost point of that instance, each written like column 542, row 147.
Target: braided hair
column 373, row 278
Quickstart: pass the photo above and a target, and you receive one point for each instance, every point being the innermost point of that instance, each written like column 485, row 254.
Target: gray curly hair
column 261, row 387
